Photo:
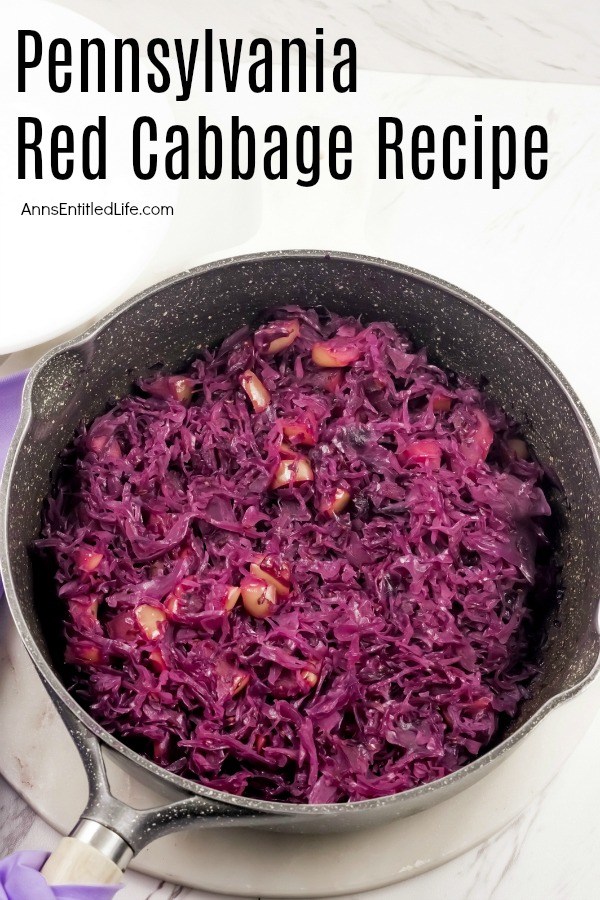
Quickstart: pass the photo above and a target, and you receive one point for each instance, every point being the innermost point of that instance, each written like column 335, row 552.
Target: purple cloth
column 11, row 390
column 20, row 879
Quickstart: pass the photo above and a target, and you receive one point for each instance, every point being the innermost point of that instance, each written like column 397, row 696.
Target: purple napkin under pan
column 20, row 878
column 11, row 390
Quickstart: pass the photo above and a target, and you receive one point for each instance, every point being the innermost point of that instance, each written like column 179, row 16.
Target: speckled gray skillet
column 167, row 324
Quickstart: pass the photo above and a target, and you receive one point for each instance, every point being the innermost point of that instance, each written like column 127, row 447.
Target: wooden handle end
column 74, row 862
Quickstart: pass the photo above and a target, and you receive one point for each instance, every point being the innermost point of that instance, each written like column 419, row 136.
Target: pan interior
column 169, row 324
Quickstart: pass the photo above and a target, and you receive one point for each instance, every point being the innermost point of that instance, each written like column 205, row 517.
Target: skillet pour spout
column 167, row 324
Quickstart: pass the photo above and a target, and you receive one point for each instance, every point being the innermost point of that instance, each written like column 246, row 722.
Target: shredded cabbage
column 306, row 568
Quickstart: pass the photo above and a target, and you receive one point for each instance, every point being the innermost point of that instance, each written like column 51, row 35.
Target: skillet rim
column 63, row 699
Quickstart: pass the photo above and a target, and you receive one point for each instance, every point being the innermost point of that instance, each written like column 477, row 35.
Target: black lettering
column 530, row 149
column 350, row 62
column 57, row 149
column 24, row 61
column 449, row 172
column 393, row 144
column 236, row 131
column 312, row 168
column 208, row 60
column 478, row 148
column 134, row 57
column 33, row 144
column 182, row 149
column 334, row 150
column 279, row 150
column 56, row 59
column 154, row 84
column 98, row 44
column 319, row 62
column 203, row 131
column 150, row 172
column 99, row 131
column 498, row 172
column 418, row 151
column 230, row 69
column 186, row 75
column 286, row 46
column 266, row 62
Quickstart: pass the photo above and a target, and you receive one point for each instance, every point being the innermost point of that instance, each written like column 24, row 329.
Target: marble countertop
column 525, row 39
column 526, row 250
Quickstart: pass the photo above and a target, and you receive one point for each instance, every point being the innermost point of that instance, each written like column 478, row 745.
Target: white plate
column 58, row 272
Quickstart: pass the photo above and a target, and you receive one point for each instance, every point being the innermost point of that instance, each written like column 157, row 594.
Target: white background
column 529, row 249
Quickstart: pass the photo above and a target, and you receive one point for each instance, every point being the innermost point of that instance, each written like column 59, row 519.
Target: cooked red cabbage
column 305, row 569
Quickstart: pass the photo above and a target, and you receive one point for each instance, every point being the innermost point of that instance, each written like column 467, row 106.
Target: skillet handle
column 76, row 862
column 111, row 832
